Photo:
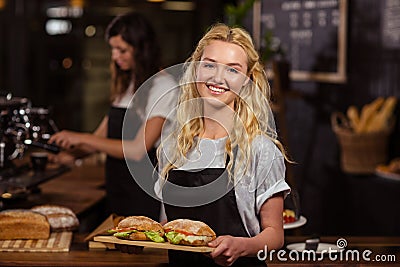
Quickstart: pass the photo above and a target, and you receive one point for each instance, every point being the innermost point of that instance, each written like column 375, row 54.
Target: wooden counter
column 79, row 255
column 81, row 190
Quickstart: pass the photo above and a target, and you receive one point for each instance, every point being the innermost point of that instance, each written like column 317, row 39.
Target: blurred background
column 53, row 52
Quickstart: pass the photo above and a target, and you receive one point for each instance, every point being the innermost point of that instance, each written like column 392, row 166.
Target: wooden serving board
column 150, row 244
column 57, row 242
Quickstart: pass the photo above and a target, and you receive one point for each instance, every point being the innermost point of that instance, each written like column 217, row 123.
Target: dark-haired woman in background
column 135, row 57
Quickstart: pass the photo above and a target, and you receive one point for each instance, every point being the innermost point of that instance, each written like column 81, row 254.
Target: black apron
column 221, row 215
column 124, row 195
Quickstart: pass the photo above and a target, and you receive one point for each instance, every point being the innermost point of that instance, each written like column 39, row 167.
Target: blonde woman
column 223, row 163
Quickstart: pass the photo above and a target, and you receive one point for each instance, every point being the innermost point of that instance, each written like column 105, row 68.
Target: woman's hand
column 227, row 249
column 66, row 139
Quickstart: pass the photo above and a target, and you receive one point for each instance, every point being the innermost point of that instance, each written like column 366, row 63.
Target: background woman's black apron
column 124, row 195
column 221, row 215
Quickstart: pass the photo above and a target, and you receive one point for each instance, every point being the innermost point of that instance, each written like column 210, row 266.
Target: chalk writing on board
column 391, row 24
column 313, row 33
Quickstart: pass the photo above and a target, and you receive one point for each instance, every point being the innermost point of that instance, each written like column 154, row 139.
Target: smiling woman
column 223, row 163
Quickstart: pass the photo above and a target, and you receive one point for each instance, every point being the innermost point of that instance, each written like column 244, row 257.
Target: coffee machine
column 22, row 125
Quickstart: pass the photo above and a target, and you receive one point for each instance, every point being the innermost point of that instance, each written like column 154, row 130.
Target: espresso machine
column 23, row 126
column 14, row 129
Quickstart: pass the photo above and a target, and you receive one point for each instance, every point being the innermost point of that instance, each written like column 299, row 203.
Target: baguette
column 380, row 121
column 354, row 117
column 367, row 113
column 23, row 224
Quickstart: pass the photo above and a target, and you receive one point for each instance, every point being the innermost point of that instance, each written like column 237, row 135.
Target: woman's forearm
column 112, row 147
column 272, row 234
column 131, row 149
column 134, row 149
column 269, row 239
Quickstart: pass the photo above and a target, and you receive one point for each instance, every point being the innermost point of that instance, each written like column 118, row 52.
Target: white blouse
column 161, row 101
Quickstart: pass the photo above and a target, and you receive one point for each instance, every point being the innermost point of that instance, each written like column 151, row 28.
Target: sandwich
column 139, row 228
column 23, row 224
column 188, row 232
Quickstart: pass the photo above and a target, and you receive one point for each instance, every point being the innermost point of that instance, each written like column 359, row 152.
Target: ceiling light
column 56, row 27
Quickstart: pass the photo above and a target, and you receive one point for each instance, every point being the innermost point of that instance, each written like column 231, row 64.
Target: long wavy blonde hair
column 253, row 115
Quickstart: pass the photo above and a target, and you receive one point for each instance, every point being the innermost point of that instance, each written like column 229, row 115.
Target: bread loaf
column 394, row 166
column 60, row 218
column 23, row 224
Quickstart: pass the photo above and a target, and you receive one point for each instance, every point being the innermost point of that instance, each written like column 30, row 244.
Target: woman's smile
column 221, row 72
column 215, row 89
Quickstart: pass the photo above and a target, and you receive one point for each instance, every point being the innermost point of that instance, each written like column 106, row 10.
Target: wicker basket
column 360, row 153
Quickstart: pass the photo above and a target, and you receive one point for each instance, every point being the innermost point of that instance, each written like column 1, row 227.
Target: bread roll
column 188, row 232
column 139, row 228
column 394, row 165
column 60, row 218
column 193, row 227
column 201, row 241
column 23, row 224
column 141, row 223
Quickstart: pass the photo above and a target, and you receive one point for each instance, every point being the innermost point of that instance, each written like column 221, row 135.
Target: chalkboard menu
column 312, row 33
column 391, row 24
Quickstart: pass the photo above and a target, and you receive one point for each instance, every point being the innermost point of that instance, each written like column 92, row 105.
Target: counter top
column 79, row 255
column 78, row 189
column 81, row 189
